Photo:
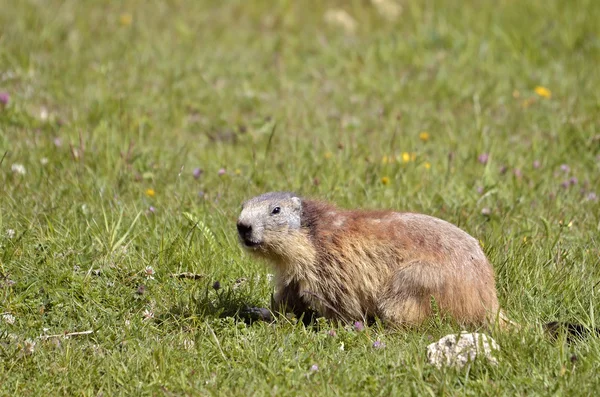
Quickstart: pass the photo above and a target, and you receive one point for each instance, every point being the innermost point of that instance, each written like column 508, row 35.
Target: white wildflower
column 28, row 347
column 389, row 9
column 188, row 344
column 18, row 169
column 149, row 272
column 43, row 113
column 10, row 233
column 341, row 19
column 147, row 314
column 44, row 160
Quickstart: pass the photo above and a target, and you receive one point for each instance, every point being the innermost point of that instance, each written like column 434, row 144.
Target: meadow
column 131, row 132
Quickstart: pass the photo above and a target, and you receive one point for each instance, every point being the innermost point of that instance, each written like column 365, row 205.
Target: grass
column 121, row 97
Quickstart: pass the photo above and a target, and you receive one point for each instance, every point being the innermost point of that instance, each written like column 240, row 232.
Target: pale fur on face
column 268, row 217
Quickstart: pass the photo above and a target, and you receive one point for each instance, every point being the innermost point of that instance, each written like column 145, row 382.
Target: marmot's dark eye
column 275, row 210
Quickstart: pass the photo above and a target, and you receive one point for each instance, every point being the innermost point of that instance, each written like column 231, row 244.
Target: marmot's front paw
column 252, row 314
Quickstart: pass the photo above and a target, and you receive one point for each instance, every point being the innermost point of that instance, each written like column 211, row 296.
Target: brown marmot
column 357, row 264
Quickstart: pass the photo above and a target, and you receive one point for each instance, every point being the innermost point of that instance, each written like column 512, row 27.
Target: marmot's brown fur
column 356, row 264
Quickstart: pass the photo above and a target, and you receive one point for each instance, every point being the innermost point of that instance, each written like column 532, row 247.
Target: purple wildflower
column 332, row 333
column 565, row 168
column 222, row 171
column 537, row 164
column 480, row 189
column 359, row 326
column 57, row 142
column 378, row 344
column 197, row 172
column 518, row 173
column 4, row 98
column 483, row 158
column 565, row 184
column 314, row 368
column 573, row 181
column 591, row 196
column 151, row 209
column 503, row 170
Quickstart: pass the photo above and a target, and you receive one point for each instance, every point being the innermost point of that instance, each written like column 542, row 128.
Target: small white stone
column 458, row 350
column 8, row 318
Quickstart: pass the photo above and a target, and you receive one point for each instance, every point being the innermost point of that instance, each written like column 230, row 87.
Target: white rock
column 458, row 350
column 8, row 318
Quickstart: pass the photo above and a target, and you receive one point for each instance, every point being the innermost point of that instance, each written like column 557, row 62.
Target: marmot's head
column 267, row 218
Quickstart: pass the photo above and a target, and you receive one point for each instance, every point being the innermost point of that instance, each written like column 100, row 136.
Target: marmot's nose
column 244, row 229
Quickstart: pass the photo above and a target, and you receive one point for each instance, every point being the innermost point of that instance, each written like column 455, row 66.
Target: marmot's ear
column 297, row 203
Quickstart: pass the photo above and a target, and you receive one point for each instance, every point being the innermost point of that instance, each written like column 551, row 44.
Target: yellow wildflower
column 405, row 157
column 238, row 171
column 328, row 155
column 543, row 92
column 150, row 192
column 424, row 136
column 385, row 180
column 125, row 19
column 516, row 94
column 384, row 160
column 427, row 165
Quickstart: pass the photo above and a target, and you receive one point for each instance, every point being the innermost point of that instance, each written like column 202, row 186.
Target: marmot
column 357, row 264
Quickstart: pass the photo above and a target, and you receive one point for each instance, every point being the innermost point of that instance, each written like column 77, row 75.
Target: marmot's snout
column 245, row 234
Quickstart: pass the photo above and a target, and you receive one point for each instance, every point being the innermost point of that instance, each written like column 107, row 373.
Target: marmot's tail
column 572, row 331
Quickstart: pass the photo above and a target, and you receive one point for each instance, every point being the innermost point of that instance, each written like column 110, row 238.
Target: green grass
column 283, row 100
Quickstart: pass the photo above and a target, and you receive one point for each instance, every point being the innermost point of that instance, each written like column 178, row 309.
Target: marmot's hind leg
column 407, row 298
